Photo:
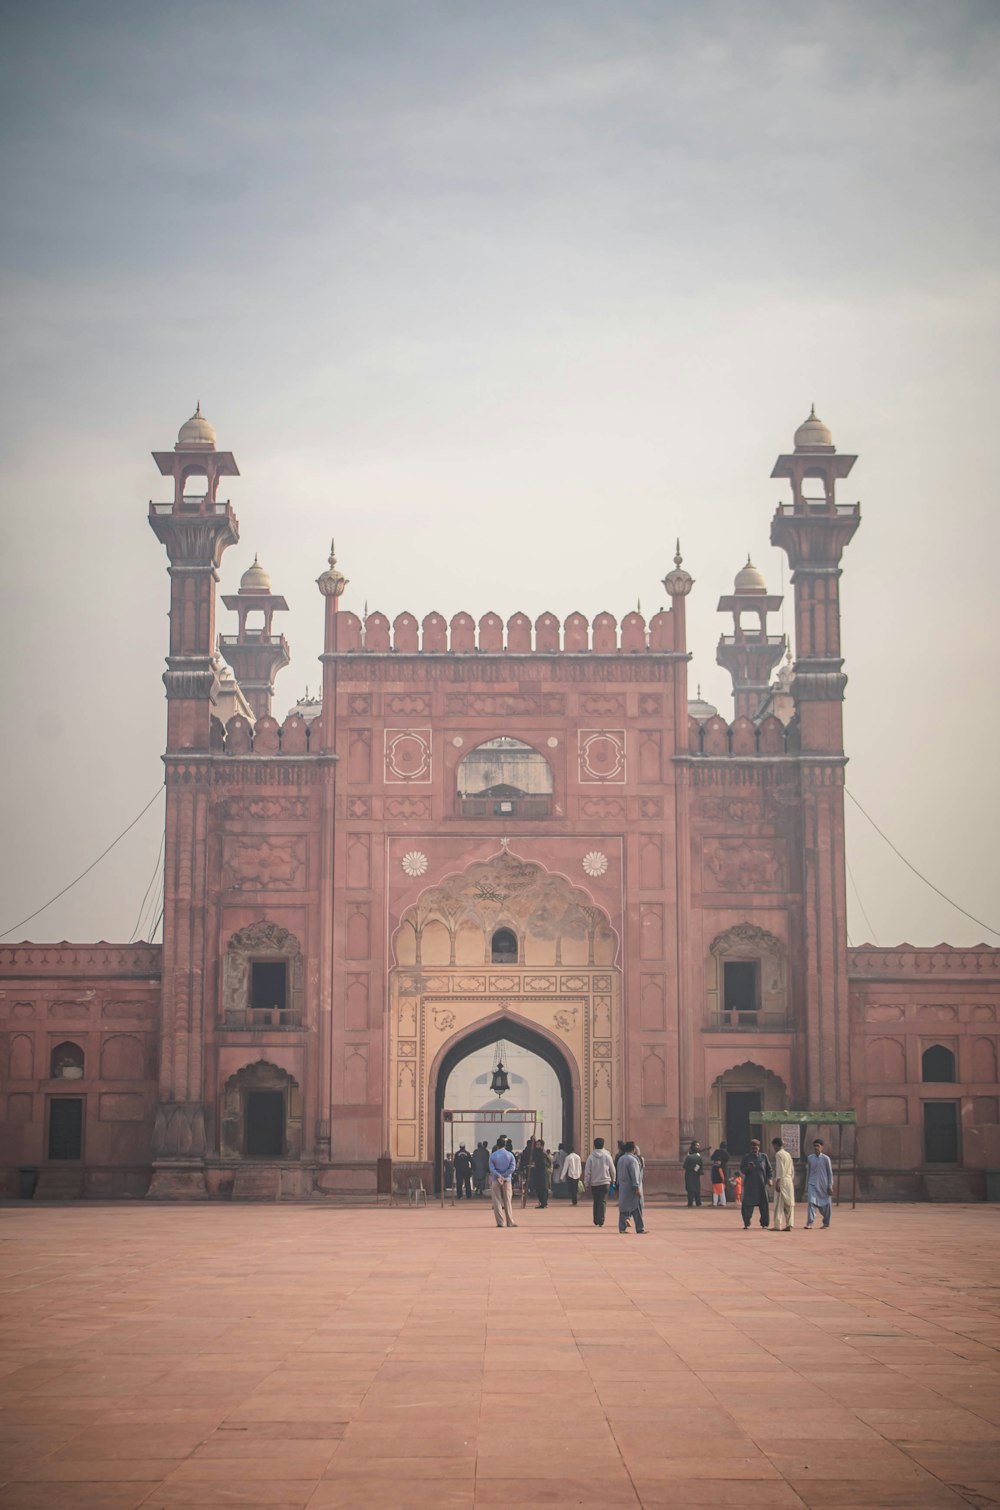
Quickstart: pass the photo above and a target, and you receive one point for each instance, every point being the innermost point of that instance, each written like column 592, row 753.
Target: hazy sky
column 506, row 296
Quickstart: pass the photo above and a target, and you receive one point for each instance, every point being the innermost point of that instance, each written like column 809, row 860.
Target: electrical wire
column 978, row 921
column 14, row 927
column 149, row 888
column 861, row 904
column 155, row 898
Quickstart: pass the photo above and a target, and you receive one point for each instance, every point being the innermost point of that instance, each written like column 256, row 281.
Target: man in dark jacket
column 692, row 1174
column 756, row 1172
column 541, row 1164
column 480, row 1166
column 463, row 1173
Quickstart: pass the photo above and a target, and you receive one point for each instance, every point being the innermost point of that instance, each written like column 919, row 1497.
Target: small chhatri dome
column 255, row 579
column 700, row 708
column 749, row 580
column 813, row 435
column 196, row 431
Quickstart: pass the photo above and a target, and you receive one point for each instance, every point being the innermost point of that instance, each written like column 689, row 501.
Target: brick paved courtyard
column 299, row 1356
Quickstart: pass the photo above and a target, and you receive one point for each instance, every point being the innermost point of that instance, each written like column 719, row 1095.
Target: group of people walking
column 535, row 1168
column 756, row 1175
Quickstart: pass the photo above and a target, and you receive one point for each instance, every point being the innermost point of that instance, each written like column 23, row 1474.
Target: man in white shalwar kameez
column 784, row 1187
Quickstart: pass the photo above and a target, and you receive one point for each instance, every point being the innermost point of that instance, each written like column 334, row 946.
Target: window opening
column 269, row 986
column 504, row 947
column 741, row 988
column 941, row 1132
column 66, row 1127
column 938, row 1065
column 505, row 778
column 265, row 1124
column 66, row 1062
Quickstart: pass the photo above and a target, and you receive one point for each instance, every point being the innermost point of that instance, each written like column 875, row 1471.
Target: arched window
column 937, row 1065
column 504, row 778
column 504, row 947
column 66, row 1062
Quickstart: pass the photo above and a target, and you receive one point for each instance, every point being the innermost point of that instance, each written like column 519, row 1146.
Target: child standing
column 719, row 1160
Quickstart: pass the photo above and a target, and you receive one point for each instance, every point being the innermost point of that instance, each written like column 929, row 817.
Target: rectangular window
column 66, row 1127
column 741, row 985
column 268, row 985
column 941, row 1132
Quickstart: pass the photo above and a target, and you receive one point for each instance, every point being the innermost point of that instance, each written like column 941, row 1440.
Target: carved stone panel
column 653, row 1078
column 650, row 930
column 359, row 756
column 743, row 865
column 276, row 864
column 650, row 862
column 407, row 755
column 602, row 755
column 651, row 1004
column 356, row 1002
column 359, row 861
column 358, row 930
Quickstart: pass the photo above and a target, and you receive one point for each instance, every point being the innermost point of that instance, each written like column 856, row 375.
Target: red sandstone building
column 492, row 830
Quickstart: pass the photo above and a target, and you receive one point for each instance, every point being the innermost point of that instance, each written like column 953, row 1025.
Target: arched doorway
column 261, row 1114
column 527, row 1037
column 745, row 1088
column 559, row 981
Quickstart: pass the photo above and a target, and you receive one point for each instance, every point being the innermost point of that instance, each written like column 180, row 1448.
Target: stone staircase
column 59, row 1184
column 257, row 1182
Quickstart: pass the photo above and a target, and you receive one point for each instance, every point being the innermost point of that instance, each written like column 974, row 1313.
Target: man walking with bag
column 570, row 1174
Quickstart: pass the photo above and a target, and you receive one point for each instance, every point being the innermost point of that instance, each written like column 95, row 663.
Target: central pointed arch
column 526, row 1035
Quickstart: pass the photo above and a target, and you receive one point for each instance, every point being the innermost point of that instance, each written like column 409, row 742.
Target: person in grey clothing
column 630, row 1191
column 598, row 1178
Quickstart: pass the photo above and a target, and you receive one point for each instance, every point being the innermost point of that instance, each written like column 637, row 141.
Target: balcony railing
column 738, row 1021
column 537, row 805
column 262, row 1018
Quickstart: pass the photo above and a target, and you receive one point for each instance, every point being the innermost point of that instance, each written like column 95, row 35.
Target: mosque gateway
column 493, row 831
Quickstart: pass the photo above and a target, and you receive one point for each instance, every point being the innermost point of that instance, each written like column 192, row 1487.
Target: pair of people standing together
column 601, row 1173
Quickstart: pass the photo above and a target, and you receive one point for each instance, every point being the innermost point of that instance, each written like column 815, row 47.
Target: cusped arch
column 512, row 1028
column 748, row 942
column 540, row 906
column 260, row 1075
column 262, row 940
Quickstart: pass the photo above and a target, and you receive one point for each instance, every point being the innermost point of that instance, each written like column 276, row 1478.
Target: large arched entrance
column 505, row 949
column 511, row 1031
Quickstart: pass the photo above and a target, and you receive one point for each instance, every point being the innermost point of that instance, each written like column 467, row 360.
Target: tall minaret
column 255, row 654
column 750, row 655
column 195, row 528
column 813, row 531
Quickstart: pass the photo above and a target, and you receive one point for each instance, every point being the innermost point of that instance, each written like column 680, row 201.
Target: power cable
column 149, row 889
column 861, row 904
column 86, row 872
column 978, row 921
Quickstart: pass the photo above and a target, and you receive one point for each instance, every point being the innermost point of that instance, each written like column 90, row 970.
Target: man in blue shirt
column 819, row 1184
column 502, row 1166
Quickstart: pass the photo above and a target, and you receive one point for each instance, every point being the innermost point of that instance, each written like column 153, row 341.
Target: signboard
column 822, row 1119
column 791, row 1136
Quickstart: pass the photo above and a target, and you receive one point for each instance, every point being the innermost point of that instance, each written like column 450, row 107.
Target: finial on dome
column 196, row 432
column 813, row 435
column 332, row 583
column 749, row 580
column 255, row 579
column 678, row 582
